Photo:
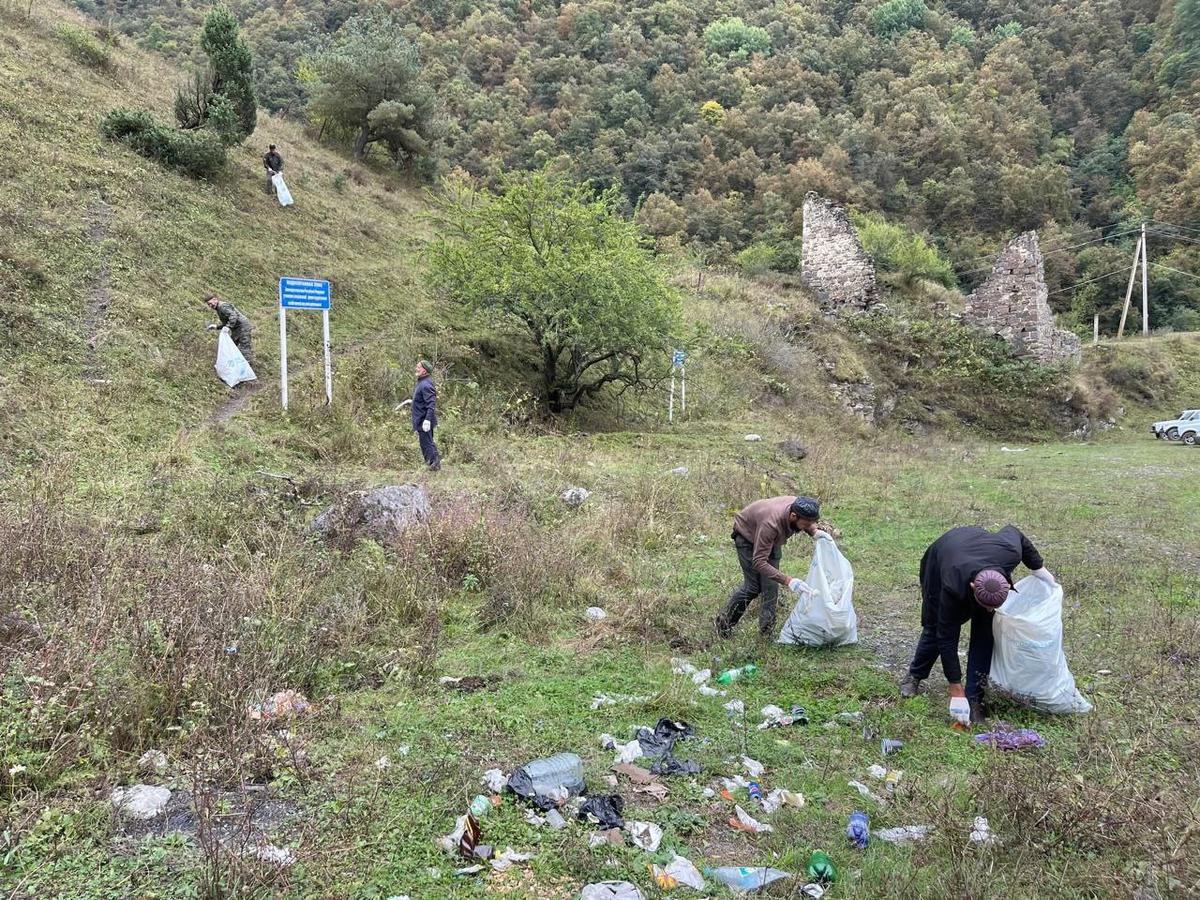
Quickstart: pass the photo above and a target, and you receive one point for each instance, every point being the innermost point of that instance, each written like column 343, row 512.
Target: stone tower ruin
column 835, row 266
column 1013, row 304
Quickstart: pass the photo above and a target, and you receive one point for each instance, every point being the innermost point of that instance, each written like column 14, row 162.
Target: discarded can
column 888, row 746
column 859, row 829
column 892, row 779
column 729, row 676
column 821, row 868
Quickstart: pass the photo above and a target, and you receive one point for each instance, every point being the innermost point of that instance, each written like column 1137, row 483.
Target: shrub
column 757, row 259
column 895, row 17
column 84, row 46
column 732, row 37
column 200, row 154
column 896, row 249
column 1185, row 319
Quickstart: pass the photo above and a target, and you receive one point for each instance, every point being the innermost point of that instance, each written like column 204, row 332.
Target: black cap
column 806, row 508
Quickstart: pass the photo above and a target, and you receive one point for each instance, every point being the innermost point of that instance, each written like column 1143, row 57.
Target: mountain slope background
column 966, row 121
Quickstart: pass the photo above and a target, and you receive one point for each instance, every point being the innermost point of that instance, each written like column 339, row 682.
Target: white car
column 1170, row 429
column 1189, row 432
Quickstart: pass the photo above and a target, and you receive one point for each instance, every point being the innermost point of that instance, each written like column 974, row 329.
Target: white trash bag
column 231, row 365
column 1028, row 660
column 281, row 189
column 825, row 618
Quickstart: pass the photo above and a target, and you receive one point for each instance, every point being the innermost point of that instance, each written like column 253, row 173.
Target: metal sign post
column 304, row 293
column 677, row 365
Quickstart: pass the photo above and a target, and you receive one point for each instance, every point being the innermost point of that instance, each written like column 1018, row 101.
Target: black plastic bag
column 660, row 741
column 605, row 807
column 669, row 765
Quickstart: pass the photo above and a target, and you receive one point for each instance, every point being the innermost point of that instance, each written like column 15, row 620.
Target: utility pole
column 1145, row 284
column 1137, row 253
column 1095, row 329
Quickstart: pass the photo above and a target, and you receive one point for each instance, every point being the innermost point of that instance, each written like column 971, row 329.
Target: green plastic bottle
column 729, row 676
column 821, row 868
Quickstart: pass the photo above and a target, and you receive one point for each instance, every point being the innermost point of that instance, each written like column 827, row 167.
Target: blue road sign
column 678, row 358
column 304, row 293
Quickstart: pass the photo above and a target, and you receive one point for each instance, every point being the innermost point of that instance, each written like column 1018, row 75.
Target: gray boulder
column 382, row 514
column 142, row 801
column 793, row 449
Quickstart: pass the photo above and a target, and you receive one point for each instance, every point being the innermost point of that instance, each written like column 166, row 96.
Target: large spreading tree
column 552, row 260
column 368, row 82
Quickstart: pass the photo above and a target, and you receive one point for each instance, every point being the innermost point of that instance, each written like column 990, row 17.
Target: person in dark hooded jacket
column 966, row 575
column 424, row 414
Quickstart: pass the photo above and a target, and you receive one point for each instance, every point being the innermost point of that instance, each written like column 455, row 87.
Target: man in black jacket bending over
column 424, row 414
column 966, row 575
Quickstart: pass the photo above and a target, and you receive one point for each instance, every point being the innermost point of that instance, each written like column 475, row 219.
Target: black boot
column 909, row 686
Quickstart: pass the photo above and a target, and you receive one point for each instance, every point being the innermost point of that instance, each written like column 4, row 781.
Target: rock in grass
column 382, row 514
column 793, row 450
column 141, row 801
column 575, row 497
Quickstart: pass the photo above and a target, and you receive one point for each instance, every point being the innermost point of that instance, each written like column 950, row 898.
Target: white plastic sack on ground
column 281, row 190
column 1028, row 660
column 231, row 365
column 826, row 617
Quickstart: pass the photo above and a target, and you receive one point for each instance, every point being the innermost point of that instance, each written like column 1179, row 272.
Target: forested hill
column 968, row 120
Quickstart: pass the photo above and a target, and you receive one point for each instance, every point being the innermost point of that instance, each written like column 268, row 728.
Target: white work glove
column 425, row 426
column 821, row 534
column 797, row 586
column 1045, row 575
column 960, row 710
column 211, row 327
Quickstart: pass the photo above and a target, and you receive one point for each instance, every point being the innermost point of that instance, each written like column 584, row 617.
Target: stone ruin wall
column 1013, row 303
column 835, row 266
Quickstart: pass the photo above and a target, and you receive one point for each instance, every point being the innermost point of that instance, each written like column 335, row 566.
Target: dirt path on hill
column 95, row 316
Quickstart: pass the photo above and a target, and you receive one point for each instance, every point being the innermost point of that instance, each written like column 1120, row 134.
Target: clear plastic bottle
column 742, row 878
column 561, row 770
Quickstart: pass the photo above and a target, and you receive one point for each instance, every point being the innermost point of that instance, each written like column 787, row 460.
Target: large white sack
column 231, row 366
column 1028, row 660
column 281, row 190
column 826, row 617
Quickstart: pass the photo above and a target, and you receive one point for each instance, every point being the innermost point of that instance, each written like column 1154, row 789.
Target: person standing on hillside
column 239, row 326
column 966, row 575
column 759, row 533
column 273, row 163
column 424, row 414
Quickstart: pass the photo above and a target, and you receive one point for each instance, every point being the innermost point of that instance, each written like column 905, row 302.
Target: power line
column 1176, row 271
column 1173, row 225
column 1062, row 249
column 1058, row 249
column 1089, row 281
column 1174, row 237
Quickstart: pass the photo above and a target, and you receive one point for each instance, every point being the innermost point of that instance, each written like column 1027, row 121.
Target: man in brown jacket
column 759, row 533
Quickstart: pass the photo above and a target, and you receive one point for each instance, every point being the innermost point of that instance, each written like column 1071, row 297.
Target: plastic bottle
column 755, row 791
column 741, row 878
column 859, row 829
column 821, row 867
column 729, row 676
column 546, row 775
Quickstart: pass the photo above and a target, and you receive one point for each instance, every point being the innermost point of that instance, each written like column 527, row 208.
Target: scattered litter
column 532, row 818
column 612, row 890
column 744, row 879
column 662, row 739
column 709, row 691
column 746, row 672
column 464, row 683
column 735, row 708
column 484, row 851
column 1013, row 449
column 772, row 712
column 494, row 780
column 682, row 666
column 743, row 821
column 679, row 871
column 574, row 497
column 821, row 868
column 646, row 835
column 893, row 779
column 405, row 749
column 603, row 810
column 636, row 774
column 383, row 764
column 480, row 806
column 782, row 797
column 1104, row 671
column 152, row 762
column 708, row 793
column 555, row 820
column 1021, row 739
column 753, row 766
column 600, row 700
column 877, row 772
column 905, row 834
column 755, row 791
column 778, row 719
column 813, row 890
column 702, row 675
column 508, row 857
column 737, row 781
column 888, row 746
column 283, row 705
column 276, row 856
column 858, row 829
column 548, row 782
column 463, row 838
column 595, row 613
column 849, row 718
column 613, row 837
column 627, row 753
column 865, row 791
column 981, row 833
column 680, row 471
column 752, row 438
column 468, row 870
column 655, row 789
column 141, row 801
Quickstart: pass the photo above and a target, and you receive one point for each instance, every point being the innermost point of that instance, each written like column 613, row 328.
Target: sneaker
column 724, row 629
column 979, row 712
column 909, row 686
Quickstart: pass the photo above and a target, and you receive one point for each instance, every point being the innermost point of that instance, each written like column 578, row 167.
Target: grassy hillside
column 158, row 576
